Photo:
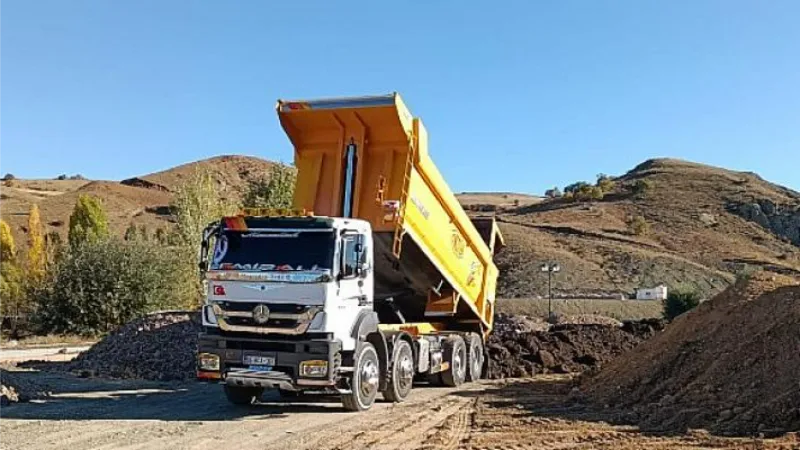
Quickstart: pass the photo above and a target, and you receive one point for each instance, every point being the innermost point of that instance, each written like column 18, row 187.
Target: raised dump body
column 367, row 158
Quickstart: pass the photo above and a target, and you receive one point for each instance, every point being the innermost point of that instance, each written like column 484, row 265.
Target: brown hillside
column 697, row 236
column 141, row 200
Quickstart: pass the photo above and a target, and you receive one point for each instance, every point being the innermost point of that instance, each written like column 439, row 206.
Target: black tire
column 401, row 376
column 365, row 379
column 474, row 357
column 455, row 353
column 240, row 395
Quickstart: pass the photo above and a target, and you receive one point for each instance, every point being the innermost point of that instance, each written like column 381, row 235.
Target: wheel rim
column 475, row 357
column 405, row 372
column 368, row 378
column 458, row 363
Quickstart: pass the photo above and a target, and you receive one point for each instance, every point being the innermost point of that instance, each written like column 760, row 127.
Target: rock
column 547, row 359
column 738, row 410
column 726, row 414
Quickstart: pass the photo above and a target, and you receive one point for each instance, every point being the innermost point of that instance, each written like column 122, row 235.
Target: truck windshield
column 274, row 251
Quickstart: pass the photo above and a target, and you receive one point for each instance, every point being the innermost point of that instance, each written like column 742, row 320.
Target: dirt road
column 49, row 353
column 519, row 414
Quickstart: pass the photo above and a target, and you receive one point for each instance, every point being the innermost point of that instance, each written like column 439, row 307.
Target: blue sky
column 518, row 97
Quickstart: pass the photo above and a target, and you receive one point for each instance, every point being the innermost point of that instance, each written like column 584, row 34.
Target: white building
column 657, row 293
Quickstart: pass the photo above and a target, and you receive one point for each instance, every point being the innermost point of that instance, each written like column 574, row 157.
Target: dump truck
column 375, row 279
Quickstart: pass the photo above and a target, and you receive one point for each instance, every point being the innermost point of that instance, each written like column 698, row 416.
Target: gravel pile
column 159, row 346
column 731, row 366
column 18, row 387
column 562, row 348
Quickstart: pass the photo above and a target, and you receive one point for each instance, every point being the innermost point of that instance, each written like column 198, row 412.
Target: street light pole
column 550, row 268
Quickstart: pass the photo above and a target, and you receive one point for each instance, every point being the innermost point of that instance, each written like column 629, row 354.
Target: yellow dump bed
column 367, row 157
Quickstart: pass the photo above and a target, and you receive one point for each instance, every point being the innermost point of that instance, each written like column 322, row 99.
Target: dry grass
column 694, row 241
column 617, row 309
column 125, row 204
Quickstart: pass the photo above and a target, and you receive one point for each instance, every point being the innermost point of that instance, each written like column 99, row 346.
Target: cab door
column 353, row 286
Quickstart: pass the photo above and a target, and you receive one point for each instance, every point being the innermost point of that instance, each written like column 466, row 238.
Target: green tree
column 197, row 202
column 88, row 221
column 274, row 191
column 99, row 285
column 680, row 301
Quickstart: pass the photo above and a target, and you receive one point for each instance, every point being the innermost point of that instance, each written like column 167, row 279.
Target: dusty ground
column 513, row 414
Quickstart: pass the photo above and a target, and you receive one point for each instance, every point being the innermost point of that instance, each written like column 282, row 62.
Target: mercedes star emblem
column 261, row 314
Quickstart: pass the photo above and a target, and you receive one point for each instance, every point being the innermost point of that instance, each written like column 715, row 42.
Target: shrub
column 638, row 226
column 575, row 187
column 99, row 285
column 88, row 221
column 587, row 192
column 552, row 193
column 12, row 298
column 61, row 177
column 275, row 191
column 605, row 182
column 9, row 177
column 680, row 301
column 642, row 187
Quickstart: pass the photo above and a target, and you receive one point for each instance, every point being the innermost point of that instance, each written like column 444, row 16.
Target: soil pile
column 732, row 365
column 159, row 346
column 562, row 348
column 589, row 319
column 510, row 324
column 16, row 387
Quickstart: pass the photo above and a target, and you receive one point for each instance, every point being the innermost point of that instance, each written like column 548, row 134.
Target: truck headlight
column 314, row 368
column 209, row 318
column 208, row 361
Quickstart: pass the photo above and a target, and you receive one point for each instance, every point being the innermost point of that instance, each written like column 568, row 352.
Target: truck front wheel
column 240, row 395
column 455, row 353
column 365, row 380
column 402, row 375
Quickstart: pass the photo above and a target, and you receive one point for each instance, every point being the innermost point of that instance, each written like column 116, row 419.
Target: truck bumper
column 288, row 353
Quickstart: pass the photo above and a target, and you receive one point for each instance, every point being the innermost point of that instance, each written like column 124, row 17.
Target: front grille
column 241, row 316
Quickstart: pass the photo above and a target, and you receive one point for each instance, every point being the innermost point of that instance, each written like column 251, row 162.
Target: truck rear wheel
column 401, row 377
column 364, row 383
column 241, row 395
column 455, row 353
column 474, row 357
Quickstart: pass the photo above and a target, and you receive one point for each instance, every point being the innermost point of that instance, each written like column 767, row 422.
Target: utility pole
column 550, row 267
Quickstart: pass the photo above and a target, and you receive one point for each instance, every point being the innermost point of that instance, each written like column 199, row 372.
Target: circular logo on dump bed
column 261, row 314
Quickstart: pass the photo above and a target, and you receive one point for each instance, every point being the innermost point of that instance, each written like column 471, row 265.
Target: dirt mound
column 589, row 319
column 510, row 324
column 730, row 366
column 160, row 346
column 17, row 388
column 563, row 348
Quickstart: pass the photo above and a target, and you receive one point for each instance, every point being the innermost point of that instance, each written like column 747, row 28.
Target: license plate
column 255, row 360
column 260, row 368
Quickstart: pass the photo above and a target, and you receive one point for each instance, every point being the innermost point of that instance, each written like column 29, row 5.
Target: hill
column 142, row 201
column 706, row 226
